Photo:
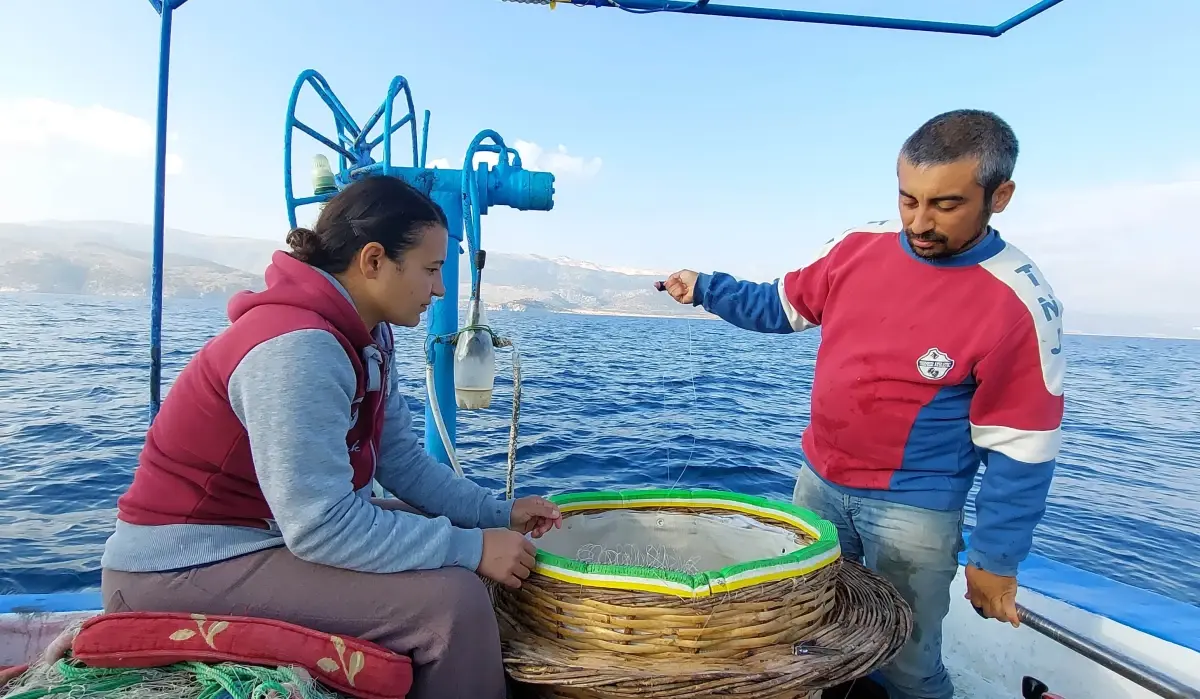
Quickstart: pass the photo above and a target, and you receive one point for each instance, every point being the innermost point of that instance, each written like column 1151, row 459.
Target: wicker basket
column 731, row 625
column 726, row 612
column 591, row 694
column 867, row 628
column 720, row 623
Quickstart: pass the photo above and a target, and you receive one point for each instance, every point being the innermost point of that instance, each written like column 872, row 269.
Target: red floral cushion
column 149, row 639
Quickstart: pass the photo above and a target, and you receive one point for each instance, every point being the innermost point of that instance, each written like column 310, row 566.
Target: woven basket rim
column 823, row 551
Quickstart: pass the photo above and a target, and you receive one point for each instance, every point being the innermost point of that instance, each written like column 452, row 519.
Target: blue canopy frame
column 704, row 7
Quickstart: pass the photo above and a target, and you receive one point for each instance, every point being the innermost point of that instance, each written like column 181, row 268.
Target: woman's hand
column 534, row 515
column 508, row 557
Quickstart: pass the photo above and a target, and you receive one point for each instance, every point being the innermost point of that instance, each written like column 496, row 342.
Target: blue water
column 608, row 402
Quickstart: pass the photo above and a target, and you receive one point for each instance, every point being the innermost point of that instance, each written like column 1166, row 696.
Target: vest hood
column 291, row 282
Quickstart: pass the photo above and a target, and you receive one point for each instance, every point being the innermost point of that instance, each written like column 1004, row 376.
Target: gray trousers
column 442, row 619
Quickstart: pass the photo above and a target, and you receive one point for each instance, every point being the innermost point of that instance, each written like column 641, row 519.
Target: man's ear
column 1003, row 195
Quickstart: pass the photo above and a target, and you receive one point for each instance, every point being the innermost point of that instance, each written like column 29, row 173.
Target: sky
column 676, row 141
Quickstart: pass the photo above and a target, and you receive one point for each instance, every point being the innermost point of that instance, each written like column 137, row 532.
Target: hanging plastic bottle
column 474, row 362
column 322, row 182
column 322, row 176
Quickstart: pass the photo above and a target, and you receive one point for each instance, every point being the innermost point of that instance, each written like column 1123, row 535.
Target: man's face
column 943, row 206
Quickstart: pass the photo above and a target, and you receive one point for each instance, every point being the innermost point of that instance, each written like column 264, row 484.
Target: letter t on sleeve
column 1016, row 422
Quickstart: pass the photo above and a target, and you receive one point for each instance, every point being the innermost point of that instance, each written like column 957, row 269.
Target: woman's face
column 401, row 292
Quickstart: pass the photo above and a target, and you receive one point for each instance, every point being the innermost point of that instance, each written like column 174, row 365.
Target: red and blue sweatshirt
column 926, row 370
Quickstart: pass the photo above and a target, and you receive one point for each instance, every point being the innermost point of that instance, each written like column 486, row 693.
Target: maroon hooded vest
column 196, row 467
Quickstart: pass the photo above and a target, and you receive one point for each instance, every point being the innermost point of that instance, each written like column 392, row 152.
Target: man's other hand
column 995, row 595
column 682, row 285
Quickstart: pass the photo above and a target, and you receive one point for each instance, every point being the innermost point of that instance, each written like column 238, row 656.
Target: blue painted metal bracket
column 464, row 195
column 704, row 7
column 507, row 184
column 172, row 4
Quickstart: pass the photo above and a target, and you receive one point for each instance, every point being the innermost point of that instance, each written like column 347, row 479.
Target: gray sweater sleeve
column 418, row 479
column 293, row 395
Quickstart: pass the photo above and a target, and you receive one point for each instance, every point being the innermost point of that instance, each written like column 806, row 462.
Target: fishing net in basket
column 679, row 593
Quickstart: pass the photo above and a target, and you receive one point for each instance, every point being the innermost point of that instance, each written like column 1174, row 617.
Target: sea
column 608, row 402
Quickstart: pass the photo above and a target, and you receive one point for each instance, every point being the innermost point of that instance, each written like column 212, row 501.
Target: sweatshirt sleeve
column 415, row 477
column 791, row 303
column 293, row 395
column 1016, row 417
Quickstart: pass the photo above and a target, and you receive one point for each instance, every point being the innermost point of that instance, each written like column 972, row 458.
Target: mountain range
column 113, row 259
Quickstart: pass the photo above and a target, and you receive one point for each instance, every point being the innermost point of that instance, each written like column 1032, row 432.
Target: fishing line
column 656, row 554
column 665, row 396
column 691, row 358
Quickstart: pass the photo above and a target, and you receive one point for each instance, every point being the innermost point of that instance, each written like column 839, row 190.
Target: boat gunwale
column 1151, row 613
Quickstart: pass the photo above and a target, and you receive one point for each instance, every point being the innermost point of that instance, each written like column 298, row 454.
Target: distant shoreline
column 577, row 312
column 1193, row 338
column 628, row 314
column 625, row 314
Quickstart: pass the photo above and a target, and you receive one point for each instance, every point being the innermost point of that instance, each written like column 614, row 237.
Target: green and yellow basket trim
column 823, row 551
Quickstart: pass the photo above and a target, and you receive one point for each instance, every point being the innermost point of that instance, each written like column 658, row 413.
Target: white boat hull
column 987, row 659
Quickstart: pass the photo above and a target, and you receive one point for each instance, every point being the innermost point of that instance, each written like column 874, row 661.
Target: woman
column 252, row 492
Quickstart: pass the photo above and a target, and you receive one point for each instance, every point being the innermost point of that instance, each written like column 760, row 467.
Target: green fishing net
column 68, row 678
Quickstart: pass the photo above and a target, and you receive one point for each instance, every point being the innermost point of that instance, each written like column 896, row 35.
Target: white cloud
column 534, row 157
column 558, row 161
column 37, row 124
column 1126, row 247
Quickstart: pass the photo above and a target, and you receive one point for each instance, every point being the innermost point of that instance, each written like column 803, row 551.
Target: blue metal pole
column 442, row 321
column 160, row 195
column 424, row 140
column 1022, row 17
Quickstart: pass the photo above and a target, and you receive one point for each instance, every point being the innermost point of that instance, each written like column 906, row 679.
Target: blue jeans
column 916, row 550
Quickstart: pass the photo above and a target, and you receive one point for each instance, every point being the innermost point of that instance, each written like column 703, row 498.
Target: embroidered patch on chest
column 934, row 364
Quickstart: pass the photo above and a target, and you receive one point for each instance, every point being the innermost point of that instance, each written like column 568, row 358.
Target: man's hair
column 966, row 133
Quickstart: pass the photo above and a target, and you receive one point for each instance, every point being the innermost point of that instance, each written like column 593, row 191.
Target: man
column 940, row 350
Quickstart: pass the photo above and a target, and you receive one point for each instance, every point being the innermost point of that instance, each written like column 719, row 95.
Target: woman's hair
column 377, row 209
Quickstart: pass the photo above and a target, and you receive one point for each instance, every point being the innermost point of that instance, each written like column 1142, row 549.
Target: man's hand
column 682, row 285
column 534, row 515
column 995, row 594
column 508, row 557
